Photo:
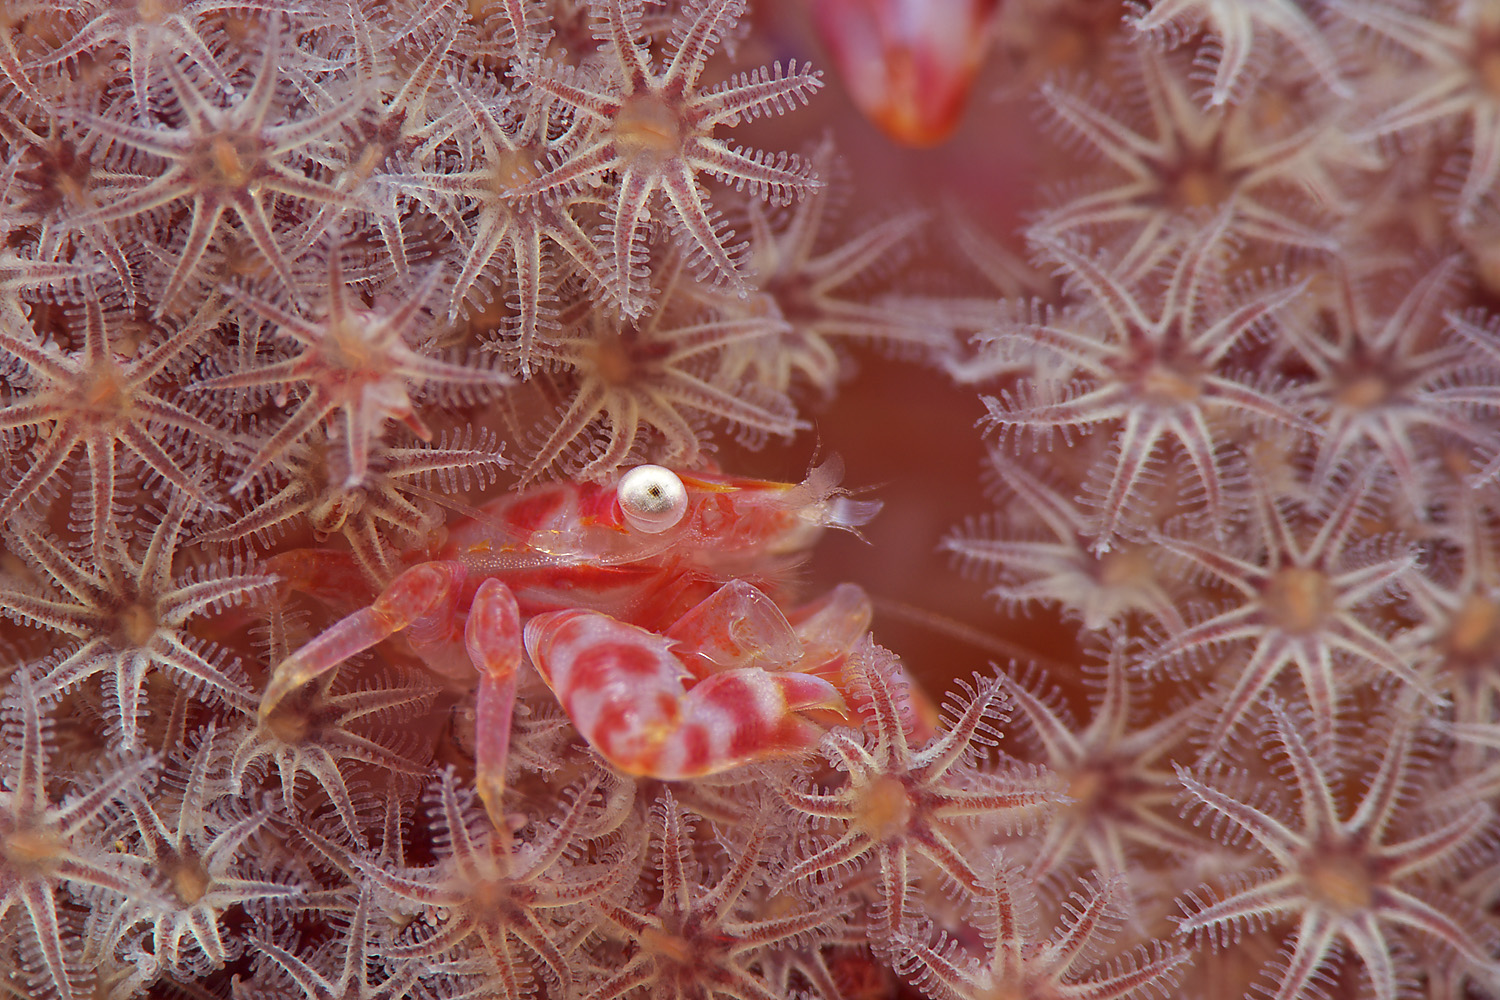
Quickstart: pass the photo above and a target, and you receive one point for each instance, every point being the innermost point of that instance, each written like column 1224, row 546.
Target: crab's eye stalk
column 653, row 498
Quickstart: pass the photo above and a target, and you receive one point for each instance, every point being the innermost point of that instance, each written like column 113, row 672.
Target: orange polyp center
column 228, row 165
column 242, row 257
column 1125, row 567
column 1165, row 385
column 104, row 393
column 885, row 809
column 1487, row 70
column 1474, row 626
column 290, row 722
column 490, row 896
column 1299, row 600
column 1340, row 883
column 647, row 130
column 137, row 625
column 611, row 361
column 1196, row 189
column 357, row 343
column 151, row 11
column 1084, row 789
column 1198, row 178
column 74, row 190
column 29, row 849
column 189, row 879
column 669, row 946
column 511, row 170
column 1364, row 393
column 369, row 161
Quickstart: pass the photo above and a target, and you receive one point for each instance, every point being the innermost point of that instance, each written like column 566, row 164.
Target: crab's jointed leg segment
column 423, row 599
column 492, row 637
column 735, row 626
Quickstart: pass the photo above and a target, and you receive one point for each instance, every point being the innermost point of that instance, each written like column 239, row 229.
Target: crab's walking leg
column 492, row 636
column 423, row 595
column 638, row 704
column 334, row 578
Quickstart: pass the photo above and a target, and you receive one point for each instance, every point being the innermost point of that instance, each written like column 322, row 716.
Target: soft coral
column 900, row 804
column 106, row 403
column 655, row 134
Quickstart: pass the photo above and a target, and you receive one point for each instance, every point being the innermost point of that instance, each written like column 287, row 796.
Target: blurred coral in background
column 1176, row 369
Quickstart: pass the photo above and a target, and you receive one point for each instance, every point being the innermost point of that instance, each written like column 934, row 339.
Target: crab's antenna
column 834, row 505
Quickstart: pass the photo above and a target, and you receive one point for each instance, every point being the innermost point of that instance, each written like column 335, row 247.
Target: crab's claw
column 643, row 709
column 908, row 64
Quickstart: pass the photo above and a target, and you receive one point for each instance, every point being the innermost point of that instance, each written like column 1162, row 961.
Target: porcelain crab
column 649, row 605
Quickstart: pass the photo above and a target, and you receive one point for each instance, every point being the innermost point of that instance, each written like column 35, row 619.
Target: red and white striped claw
column 647, row 712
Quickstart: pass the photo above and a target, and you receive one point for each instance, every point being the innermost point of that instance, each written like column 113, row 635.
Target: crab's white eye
column 653, row 498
